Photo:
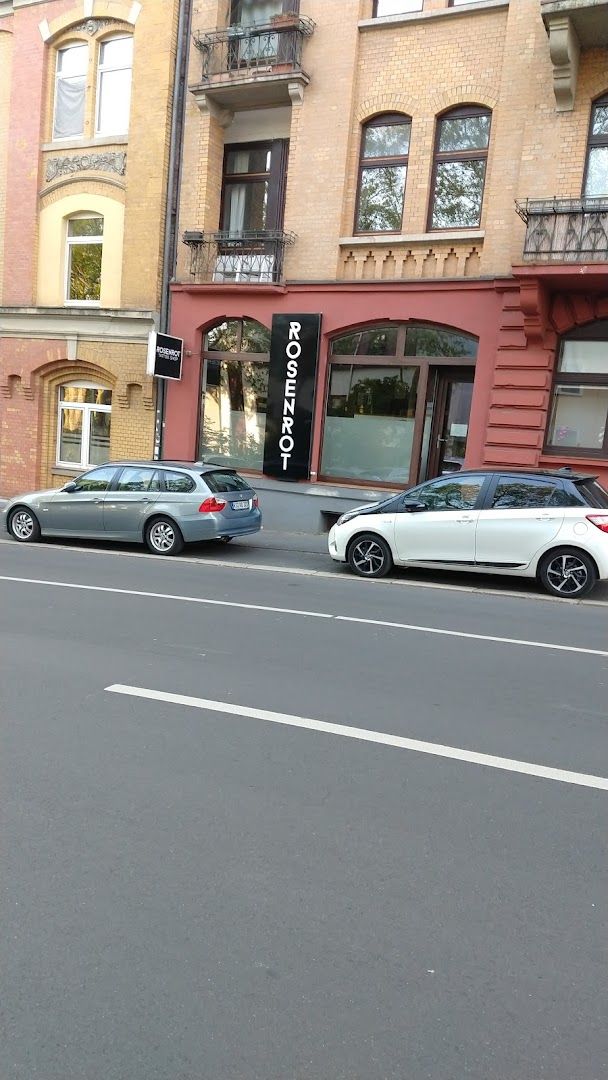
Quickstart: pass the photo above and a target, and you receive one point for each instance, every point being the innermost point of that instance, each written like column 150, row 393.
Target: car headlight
column 347, row 517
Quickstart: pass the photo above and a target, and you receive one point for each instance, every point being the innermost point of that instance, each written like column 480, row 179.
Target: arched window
column 385, row 144
column 596, row 167
column 114, row 86
column 459, row 168
column 84, row 248
column 236, row 356
column 83, row 424
column 398, row 401
column 579, row 414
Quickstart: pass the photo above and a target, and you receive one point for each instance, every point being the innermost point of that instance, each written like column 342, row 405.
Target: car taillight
column 256, row 502
column 599, row 520
column 211, row 506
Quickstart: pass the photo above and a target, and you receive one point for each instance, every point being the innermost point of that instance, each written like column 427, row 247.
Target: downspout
column 173, row 193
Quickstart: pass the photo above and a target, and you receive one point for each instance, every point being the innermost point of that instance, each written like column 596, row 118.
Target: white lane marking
column 337, row 574
column 363, row 735
column 412, row 627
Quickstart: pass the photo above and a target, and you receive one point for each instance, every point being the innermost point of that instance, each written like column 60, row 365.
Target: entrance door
column 453, row 395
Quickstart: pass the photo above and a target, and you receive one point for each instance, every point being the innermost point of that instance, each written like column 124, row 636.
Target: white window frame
column 58, row 78
column 106, row 69
column 86, row 408
column 75, row 241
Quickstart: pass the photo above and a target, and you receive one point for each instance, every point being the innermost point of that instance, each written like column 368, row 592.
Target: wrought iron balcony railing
column 238, row 52
column 565, row 230
column 247, row 257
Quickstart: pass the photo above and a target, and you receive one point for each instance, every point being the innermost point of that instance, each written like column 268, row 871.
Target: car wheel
column 567, row 572
column 163, row 537
column 370, row 556
column 23, row 525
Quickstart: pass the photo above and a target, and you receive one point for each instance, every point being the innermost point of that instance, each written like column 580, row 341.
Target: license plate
column 242, row 505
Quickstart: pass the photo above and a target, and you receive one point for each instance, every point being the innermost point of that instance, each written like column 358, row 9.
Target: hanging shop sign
column 165, row 355
column 294, row 351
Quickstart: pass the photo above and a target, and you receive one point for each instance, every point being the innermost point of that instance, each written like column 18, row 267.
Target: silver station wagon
column 164, row 504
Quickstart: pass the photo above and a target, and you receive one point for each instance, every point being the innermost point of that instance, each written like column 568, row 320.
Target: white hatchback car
column 552, row 526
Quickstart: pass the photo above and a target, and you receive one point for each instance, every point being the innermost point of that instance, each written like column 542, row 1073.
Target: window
column 83, row 259
column 178, row 483
column 524, row 493
column 249, row 12
column 461, row 150
column 224, row 481
column 596, row 169
column 383, row 8
column 70, row 90
column 579, row 411
column 98, row 480
column 459, row 3
column 83, row 428
column 253, row 195
column 234, row 395
column 114, row 86
column 452, row 494
column 136, row 479
column 385, row 144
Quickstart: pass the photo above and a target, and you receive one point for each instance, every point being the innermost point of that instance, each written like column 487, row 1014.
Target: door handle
column 145, row 500
column 465, row 521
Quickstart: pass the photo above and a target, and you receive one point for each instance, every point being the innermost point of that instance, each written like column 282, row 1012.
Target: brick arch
column 108, row 187
column 382, row 103
column 114, row 10
column 576, row 309
column 467, row 94
column 57, row 371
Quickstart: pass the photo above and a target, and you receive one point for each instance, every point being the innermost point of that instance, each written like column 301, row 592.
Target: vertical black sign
column 294, row 349
column 168, row 353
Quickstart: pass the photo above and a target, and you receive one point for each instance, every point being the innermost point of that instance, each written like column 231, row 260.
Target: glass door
column 450, row 428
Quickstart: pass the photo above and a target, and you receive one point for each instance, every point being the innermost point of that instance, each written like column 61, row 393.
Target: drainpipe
column 173, row 192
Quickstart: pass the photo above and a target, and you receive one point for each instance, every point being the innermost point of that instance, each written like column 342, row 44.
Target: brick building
column 85, row 117
column 431, row 178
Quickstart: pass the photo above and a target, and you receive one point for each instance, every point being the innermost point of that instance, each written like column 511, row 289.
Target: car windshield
column 222, row 480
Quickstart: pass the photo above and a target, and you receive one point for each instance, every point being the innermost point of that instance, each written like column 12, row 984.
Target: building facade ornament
column 65, row 166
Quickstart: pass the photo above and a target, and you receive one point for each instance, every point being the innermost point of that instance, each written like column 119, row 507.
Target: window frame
column 594, row 141
column 64, row 48
column 79, row 241
column 275, row 177
column 390, row 119
column 100, row 71
column 289, row 7
column 396, row 14
column 86, row 408
column 577, row 378
column 454, row 113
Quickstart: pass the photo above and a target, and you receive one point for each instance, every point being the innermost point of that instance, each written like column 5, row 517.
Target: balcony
column 572, row 25
column 565, row 230
column 245, row 67
column 246, row 258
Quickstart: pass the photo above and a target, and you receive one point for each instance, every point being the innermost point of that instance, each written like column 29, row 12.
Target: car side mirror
column 413, row 507
column 72, row 486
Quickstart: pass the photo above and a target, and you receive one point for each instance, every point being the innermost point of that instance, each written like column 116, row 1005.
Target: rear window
column 178, row 482
column 594, row 494
column 225, row 481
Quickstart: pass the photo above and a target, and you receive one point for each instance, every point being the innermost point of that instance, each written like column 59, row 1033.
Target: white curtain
column 236, row 220
column 69, row 107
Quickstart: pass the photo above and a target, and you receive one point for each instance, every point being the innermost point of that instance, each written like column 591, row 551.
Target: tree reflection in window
column 385, row 145
column 461, row 151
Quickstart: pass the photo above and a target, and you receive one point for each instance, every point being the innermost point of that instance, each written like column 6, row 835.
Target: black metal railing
column 242, row 51
column 248, row 257
column 565, row 230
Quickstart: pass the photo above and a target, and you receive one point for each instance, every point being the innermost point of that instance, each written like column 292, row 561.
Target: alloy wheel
column 567, row 575
column 22, row 525
column 162, row 536
column 368, row 557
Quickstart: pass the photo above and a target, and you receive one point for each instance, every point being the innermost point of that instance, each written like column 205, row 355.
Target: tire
column 370, row 556
column 163, row 537
column 567, row 572
column 23, row 525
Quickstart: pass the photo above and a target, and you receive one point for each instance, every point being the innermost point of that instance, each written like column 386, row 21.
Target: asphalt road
column 230, row 889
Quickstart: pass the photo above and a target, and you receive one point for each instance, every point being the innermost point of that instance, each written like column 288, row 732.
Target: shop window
column 70, row 91
column 253, row 196
column 459, row 169
column 236, row 358
column 385, row 143
column 83, row 425
column 596, row 169
column 83, row 259
column 579, row 409
column 114, row 86
column 383, row 8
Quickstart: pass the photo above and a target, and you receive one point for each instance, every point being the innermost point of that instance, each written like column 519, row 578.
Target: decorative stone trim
column 383, row 103
column 91, row 26
column 66, row 166
column 477, row 93
column 564, row 50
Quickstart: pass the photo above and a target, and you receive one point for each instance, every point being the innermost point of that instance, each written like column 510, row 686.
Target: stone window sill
column 394, row 239
column 86, row 144
column 421, row 16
